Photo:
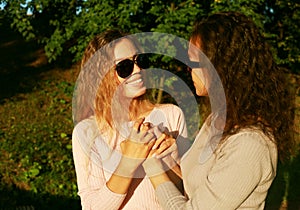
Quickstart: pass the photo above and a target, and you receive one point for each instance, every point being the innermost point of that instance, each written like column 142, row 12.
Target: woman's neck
column 140, row 108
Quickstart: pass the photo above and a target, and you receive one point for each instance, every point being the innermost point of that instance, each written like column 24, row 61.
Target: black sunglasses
column 193, row 64
column 125, row 67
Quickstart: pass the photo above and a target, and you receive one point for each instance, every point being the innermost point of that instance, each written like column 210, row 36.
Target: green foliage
column 20, row 20
column 278, row 20
column 175, row 18
column 254, row 9
column 287, row 33
column 67, row 26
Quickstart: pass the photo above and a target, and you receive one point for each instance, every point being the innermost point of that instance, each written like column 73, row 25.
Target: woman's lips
column 134, row 79
column 134, row 86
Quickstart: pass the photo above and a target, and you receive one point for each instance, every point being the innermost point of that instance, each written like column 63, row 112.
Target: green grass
column 36, row 165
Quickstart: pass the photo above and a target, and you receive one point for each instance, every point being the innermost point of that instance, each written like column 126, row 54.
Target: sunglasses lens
column 194, row 64
column 143, row 61
column 125, row 68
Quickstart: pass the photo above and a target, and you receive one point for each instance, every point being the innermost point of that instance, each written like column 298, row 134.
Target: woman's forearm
column 118, row 184
column 159, row 179
column 120, row 180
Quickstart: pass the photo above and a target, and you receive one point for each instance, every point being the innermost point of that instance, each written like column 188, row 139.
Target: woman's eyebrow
column 124, row 58
column 121, row 59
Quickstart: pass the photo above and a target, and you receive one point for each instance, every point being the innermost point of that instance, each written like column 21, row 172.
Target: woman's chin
column 201, row 92
column 136, row 93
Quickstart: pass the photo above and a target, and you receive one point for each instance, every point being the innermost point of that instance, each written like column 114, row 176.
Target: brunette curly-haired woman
column 109, row 97
column 236, row 171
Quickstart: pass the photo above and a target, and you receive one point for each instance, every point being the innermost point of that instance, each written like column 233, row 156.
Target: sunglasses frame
column 125, row 67
column 193, row 65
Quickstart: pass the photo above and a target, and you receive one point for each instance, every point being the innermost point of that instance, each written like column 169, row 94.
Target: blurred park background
column 41, row 43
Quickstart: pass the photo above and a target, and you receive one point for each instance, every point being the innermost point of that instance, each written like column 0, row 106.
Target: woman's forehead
column 124, row 48
column 194, row 50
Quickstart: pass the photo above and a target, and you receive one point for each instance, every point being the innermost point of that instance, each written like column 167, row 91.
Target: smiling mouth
column 135, row 81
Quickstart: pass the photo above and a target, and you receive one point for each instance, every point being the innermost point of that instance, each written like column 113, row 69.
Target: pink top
column 95, row 161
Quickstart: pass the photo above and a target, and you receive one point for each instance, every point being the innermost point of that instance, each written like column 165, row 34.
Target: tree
column 66, row 26
column 278, row 20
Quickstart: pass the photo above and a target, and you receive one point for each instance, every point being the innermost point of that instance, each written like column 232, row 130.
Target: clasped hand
column 142, row 143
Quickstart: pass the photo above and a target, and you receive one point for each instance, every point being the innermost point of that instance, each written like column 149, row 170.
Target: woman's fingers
column 159, row 141
column 145, row 127
column 148, row 137
column 150, row 144
column 165, row 145
column 138, row 124
column 136, row 150
column 139, row 131
column 146, row 133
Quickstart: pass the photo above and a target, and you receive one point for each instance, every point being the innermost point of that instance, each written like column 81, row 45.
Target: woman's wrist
column 153, row 166
column 120, row 180
column 159, row 179
column 155, row 171
column 118, row 184
column 128, row 166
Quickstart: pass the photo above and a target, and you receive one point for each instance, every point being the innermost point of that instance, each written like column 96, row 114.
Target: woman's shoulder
column 171, row 112
column 86, row 127
column 255, row 134
column 172, row 108
column 252, row 138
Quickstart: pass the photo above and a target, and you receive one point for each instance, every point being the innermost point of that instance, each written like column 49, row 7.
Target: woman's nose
column 136, row 68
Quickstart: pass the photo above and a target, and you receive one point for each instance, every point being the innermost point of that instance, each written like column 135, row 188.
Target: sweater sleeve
column 241, row 164
column 91, row 181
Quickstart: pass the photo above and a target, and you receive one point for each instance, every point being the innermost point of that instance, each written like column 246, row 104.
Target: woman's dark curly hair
column 256, row 89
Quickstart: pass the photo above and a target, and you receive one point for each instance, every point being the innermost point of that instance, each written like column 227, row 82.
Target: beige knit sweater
column 237, row 176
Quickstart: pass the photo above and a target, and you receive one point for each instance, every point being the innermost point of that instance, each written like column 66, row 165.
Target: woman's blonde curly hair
column 98, row 76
